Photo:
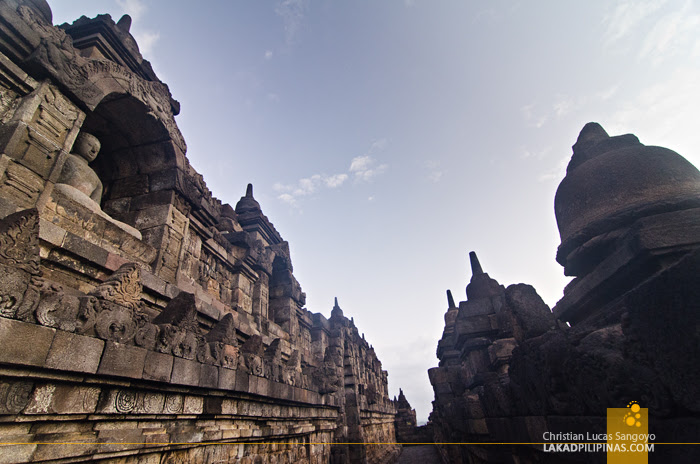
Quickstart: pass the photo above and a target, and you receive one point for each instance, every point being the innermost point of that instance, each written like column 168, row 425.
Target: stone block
column 85, row 249
column 469, row 326
column 130, row 187
column 162, row 197
column 164, row 180
column 122, row 360
column 501, row 350
column 263, row 387
column 209, row 376
column 476, row 307
column 213, row 404
column 185, row 372
column 120, row 440
column 12, row 454
column 477, row 426
column 152, row 282
column 73, row 399
column 23, row 343
column 72, row 352
column 227, row 379
column 242, row 381
column 152, row 217
column 158, row 366
column 114, row 262
column 252, row 383
column 51, row 233
column 193, row 405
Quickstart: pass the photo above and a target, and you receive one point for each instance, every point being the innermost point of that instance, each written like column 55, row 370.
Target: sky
column 386, row 140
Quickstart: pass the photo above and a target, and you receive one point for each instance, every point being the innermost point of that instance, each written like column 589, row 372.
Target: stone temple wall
column 626, row 329
column 140, row 316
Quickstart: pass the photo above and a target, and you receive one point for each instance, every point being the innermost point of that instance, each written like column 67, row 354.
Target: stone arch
column 136, row 147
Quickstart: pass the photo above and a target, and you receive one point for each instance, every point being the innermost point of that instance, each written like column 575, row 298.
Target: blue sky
column 386, row 140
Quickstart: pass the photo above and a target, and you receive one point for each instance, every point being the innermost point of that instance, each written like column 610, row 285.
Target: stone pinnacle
column 450, row 300
column 124, row 23
column 476, row 266
column 249, row 191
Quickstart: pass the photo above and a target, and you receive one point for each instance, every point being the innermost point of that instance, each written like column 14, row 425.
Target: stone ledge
column 24, row 343
column 77, row 353
column 185, row 372
column 158, row 366
column 122, row 360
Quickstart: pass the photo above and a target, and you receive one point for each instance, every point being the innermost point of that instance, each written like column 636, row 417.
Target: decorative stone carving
column 125, row 401
column 19, row 241
column 173, row 403
column 14, row 396
column 180, row 312
column 251, row 356
column 291, row 374
column 273, row 361
column 123, row 287
column 19, row 264
column 219, row 346
column 178, row 327
column 146, row 332
column 115, row 323
column 58, row 309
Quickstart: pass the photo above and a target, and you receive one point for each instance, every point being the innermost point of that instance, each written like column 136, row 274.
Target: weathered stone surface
column 122, row 360
column 186, row 372
column 628, row 217
column 130, row 294
column 23, row 343
column 73, row 352
column 158, row 366
column 590, row 207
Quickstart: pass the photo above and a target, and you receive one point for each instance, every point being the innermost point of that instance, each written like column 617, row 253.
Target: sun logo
column 632, row 417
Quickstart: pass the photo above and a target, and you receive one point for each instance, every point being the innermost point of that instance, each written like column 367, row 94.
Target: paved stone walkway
column 421, row 454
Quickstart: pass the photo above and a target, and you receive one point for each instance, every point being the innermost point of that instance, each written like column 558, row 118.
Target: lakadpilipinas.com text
column 598, row 442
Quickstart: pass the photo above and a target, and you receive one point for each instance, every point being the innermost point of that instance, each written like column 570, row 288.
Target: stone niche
column 144, row 318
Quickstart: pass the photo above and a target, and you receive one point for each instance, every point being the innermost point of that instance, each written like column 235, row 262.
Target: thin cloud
column 626, row 16
column 292, row 13
column 564, row 105
column 146, row 41
column 365, row 167
column 434, row 171
column 670, row 35
column 288, row 198
column 335, row 181
column 536, row 154
column 268, row 54
column 362, row 168
column 533, row 119
column 134, row 8
column 291, row 193
column 608, row 94
column 667, row 110
column 555, row 173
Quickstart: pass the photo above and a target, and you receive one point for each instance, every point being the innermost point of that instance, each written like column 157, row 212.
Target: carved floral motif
column 123, row 287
